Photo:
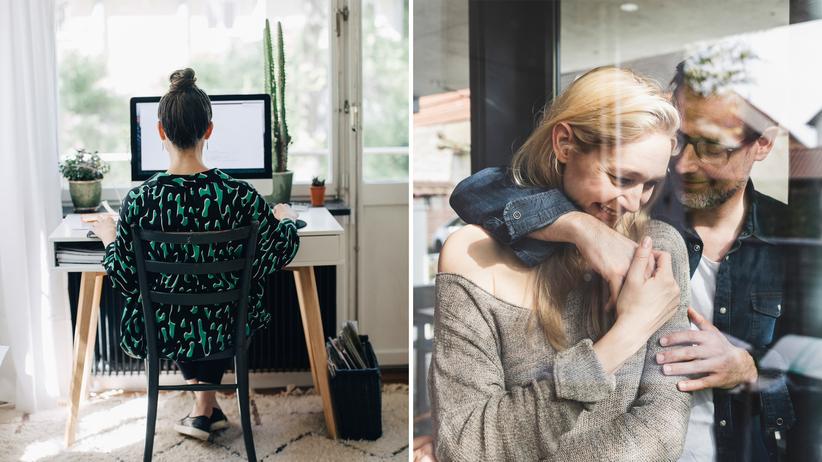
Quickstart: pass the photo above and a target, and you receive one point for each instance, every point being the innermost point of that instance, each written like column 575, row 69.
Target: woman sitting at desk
column 190, row 197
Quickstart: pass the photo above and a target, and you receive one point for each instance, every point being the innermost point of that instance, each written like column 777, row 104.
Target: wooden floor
column 394, row 374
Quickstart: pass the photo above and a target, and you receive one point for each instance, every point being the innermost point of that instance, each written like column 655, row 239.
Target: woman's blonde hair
column 605, row 107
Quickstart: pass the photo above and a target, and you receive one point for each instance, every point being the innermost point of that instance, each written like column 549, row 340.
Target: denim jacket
column 747, row 304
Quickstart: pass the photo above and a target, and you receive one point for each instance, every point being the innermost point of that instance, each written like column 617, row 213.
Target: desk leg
column 91, row 337
column 313, row 327
column 88, row 307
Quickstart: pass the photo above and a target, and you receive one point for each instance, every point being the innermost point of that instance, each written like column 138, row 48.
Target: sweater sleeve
column 277, row 241
column 475, row 416
column 655, row 425
column 120, row 261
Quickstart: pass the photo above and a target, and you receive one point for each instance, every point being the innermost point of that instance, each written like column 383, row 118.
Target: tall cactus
column 275, row 86
column 285, row 138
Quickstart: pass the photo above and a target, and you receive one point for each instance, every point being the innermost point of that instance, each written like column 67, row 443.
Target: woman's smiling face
column 609, row 182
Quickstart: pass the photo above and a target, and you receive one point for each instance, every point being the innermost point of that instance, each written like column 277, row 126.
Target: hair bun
column 182, row 80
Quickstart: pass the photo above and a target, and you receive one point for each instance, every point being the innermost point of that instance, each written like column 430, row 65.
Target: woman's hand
column 105, row 228
column 650, row 294
column 608, row 252
column 648, row 299
column 282, row 211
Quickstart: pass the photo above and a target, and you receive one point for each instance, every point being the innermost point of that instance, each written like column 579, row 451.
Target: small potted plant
column 84, row 171
column 317, row 192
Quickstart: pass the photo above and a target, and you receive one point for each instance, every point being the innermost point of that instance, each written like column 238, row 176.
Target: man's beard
column 709, row 197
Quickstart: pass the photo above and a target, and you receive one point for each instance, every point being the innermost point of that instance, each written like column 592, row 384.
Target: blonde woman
column 533, row 363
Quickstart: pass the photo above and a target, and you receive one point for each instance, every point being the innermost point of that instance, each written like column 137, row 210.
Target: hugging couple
column 616, row 286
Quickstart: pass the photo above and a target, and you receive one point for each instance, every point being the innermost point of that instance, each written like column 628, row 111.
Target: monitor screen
column 240, row 144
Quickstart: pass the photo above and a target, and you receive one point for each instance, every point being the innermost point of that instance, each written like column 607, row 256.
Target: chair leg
column 153, row 373
column 241, row 374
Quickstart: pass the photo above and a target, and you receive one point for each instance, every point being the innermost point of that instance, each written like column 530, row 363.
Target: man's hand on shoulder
column 706, row 352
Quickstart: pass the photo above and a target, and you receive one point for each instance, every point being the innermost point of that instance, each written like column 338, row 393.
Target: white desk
column 321, row 244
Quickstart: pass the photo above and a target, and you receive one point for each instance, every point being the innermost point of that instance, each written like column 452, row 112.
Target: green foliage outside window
column 240, row 74
column 92, row 115
column 385, row 84
column 385, row 95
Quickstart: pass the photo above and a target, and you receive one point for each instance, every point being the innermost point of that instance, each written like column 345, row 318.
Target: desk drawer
column 319, row 251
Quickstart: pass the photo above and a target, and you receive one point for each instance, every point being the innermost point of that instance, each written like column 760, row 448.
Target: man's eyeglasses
column 710, row 152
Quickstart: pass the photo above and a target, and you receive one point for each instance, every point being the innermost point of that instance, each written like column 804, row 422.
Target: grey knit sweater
column 499, row 391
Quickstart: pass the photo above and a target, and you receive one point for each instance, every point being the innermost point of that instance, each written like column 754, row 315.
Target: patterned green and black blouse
column 206, row 201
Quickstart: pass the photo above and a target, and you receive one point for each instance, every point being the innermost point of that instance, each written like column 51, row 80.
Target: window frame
column 339, row 92
column 345, row 151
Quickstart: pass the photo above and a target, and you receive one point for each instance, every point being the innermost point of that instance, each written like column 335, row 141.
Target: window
column 110, row 51
column 442, row 127
column 630, row 38
column 385, row 90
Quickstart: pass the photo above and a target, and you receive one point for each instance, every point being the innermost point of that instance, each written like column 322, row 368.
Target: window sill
column 335, row 206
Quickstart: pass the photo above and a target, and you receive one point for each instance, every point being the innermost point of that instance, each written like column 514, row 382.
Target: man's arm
column 490, row 199
column 535, row 222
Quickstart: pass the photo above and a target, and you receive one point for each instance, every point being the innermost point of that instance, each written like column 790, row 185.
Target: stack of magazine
column 346, row 351
column 79, row 255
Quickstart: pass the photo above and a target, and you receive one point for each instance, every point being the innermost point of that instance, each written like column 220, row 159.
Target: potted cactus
column 84, row 171
column 280, row 139
column 317, row 192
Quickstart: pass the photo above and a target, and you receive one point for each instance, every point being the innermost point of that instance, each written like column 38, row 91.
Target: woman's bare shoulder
column 472, row 253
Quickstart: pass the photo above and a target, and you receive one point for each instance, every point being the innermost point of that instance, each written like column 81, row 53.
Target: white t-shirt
column 699, row 441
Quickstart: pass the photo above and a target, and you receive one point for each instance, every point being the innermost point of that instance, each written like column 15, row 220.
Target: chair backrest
column 246, row 235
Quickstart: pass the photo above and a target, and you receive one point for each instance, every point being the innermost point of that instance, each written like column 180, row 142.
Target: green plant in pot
column 280, row 139
column 84, row 171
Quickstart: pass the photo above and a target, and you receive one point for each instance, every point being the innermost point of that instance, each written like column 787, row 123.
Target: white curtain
column 34, row 317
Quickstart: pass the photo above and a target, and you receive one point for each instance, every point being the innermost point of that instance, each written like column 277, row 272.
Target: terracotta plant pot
column 317, row 196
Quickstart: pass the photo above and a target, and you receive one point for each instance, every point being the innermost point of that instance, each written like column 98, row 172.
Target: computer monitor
column 240, row 144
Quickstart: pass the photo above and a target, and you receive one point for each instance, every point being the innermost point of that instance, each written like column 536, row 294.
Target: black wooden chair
column 248, row 237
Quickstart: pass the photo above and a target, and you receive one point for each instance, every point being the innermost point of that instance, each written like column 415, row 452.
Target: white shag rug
column 288, row 426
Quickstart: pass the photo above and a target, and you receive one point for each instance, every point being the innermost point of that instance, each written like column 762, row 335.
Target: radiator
column 279, row 348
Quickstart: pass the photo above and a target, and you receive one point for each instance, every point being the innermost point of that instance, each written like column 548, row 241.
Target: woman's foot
column 202, row 409
column 196, row 427
column 218, row 420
